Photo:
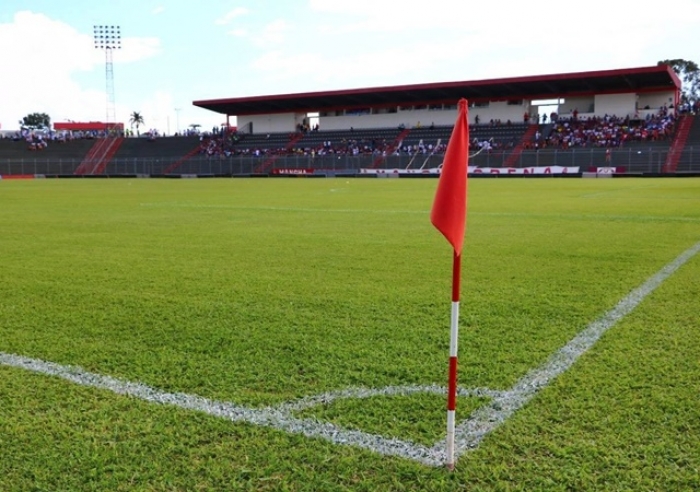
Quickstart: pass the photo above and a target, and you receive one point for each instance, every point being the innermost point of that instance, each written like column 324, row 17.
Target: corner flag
column 449, row 216
column 449, row 211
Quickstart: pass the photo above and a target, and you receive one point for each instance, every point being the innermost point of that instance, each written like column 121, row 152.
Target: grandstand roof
column 643, row 79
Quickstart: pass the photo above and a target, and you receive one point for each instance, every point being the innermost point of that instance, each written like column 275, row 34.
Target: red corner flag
column 449, row 213
column 449, row 216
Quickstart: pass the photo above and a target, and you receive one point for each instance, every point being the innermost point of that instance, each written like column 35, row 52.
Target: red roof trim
column 439, row 85
column 674, row 76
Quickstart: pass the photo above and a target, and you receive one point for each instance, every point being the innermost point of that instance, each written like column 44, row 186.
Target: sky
column 177, row 52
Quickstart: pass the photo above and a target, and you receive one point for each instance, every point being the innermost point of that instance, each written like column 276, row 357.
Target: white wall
column 425, row 117
column 615, row 104
column 655, row 100
column 582, row 104
column 500, row 110
column 611, row 104
column 389, row 120
column 270, row 123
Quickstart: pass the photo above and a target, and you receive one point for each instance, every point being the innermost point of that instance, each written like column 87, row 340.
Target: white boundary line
column 278, row 418
column 470, row 432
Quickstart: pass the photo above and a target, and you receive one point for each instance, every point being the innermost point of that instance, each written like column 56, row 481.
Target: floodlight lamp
column 107, row 37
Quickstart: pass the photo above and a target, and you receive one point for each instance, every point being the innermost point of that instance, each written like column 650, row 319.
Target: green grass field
column 263, row 292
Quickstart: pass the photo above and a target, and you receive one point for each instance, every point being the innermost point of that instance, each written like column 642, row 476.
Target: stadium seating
column 144, row 156
column 635, row 145
column 491, row 145
column 690, row 151
column 56, row 158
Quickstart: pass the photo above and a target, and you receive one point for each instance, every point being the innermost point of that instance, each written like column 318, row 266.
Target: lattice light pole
column 109, row 38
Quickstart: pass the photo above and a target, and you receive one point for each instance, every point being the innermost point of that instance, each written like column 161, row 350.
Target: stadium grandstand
column 625, row 121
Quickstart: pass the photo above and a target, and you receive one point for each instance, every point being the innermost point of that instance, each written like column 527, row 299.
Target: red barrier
column 17, row 176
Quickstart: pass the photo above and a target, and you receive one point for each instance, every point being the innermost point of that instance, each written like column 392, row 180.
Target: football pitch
column 293, row 334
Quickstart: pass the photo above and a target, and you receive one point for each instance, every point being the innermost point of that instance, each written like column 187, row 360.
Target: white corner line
column 277, row 418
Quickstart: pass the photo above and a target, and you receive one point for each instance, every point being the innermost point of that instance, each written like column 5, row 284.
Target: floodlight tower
column 108, row 38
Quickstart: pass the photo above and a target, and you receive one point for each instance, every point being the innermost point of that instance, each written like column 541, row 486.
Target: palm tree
column 136, row 119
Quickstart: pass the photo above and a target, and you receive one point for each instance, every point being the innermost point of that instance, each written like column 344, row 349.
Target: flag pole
column 449, row 216
column 452, row 376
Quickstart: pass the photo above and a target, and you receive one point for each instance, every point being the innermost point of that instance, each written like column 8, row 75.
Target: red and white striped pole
column 449, row 216
column 452, row 378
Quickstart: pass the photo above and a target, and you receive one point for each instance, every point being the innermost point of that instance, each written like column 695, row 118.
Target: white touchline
column 469, row 433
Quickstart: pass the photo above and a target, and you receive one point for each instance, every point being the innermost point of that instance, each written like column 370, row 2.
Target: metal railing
column 635, row 159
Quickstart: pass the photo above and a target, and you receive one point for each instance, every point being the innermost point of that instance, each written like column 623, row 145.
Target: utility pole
column 177, row 119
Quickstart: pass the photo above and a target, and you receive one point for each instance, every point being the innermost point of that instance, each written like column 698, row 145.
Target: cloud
column 135, row 49
column 40, row 76
column 505, row 17
column 274, row 33
column 229, row 16
column 239, row 33
column 371, row 43
column 158, row 10
column 157, row 111
column 278, row 63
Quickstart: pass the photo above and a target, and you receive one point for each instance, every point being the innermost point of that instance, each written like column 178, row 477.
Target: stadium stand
column 513, row 131
column 492, row 145
column 610, row 131
column 99, row 155
column 150, row 156
column 688, row 150
column 57, row 157
column 633, row 156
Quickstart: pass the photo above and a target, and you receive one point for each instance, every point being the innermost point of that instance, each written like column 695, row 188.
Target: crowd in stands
column 46, row 136
column 233, row 144
column 606, row 131
column 566, row 132
column 372, row 146
column 218, row 143
column 36, row 142
column 226, row 146
column 689, row 108
column 40, row 139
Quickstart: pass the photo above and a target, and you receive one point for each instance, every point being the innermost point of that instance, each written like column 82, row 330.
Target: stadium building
column 625, row 121
column 629, row 92
column 509, row 119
